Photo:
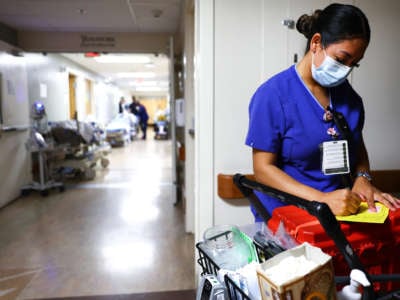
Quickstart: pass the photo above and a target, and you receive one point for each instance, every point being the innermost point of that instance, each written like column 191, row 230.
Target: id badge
column 335, row 157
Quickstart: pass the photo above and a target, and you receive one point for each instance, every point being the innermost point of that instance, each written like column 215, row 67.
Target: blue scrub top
column 286, row 119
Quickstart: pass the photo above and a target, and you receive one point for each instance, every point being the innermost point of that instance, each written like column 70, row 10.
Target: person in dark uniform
column 143, row 118
column 133, row 107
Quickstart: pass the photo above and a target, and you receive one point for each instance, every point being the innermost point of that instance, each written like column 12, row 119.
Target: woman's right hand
column 342, row 202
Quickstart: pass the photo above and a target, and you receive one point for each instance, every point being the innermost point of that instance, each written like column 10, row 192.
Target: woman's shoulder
column 278, row 83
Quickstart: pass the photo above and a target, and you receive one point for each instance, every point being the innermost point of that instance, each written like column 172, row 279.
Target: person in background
column 133, row 107
column 143, row 118
column 291, row 116
column 121, row 105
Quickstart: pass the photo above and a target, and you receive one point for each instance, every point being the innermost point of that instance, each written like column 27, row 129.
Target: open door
column 88, row 97
column 72, row 96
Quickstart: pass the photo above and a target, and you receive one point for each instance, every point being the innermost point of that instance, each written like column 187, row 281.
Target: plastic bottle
column 226, row 247
column 352, row 291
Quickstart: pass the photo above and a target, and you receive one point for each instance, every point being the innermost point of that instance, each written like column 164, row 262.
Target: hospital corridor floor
column 115, row 235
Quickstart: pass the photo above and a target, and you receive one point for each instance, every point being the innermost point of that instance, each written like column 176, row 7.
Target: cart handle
column 319, row 210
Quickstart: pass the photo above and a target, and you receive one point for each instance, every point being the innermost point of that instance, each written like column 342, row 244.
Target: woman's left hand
column 370, row 194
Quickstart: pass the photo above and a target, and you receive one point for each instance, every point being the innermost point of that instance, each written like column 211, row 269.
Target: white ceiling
column 136, row 16
column 92, row 15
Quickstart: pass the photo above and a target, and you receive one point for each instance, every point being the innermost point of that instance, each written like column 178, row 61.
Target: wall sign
column 97, row 41
column 43, row 90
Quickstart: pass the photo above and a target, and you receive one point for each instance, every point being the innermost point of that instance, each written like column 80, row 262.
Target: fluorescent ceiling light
column 122, row 59
column 149, row 83
column 144, row 83
column 150, row 89
column 136, row 75
column 163, row 83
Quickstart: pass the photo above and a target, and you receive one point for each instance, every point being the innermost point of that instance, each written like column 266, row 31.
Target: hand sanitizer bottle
column 352, row 291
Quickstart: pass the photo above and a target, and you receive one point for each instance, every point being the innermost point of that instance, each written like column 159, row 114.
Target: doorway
column 88, row 98
column 72, row 96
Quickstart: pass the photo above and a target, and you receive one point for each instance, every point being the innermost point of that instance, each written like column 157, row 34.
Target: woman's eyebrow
column 346, row 53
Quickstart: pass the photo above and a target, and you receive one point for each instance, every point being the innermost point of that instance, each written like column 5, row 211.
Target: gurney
column 80, row 147
column 122, row 129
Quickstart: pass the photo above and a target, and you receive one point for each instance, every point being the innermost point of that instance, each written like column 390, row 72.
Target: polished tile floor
column 117, row 234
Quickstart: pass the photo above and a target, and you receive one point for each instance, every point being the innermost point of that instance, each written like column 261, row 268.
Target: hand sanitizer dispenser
column 352, row 291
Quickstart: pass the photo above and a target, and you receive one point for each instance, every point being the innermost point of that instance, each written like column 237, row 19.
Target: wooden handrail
column 227, row 189
column 386, row 180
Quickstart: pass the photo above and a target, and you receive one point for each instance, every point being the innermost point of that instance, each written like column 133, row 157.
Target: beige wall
column 51, row 71
column 152, row 105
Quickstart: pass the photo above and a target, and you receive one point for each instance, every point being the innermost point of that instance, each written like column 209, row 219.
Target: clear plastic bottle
column 225, row 246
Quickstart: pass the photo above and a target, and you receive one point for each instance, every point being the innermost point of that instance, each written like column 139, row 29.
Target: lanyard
column 343, row 127
column 341, row 124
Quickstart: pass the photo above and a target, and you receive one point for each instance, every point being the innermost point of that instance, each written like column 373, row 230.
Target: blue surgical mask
column 330, row 73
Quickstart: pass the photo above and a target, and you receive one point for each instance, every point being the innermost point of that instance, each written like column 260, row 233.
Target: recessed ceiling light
column 122, row 59
column 82, row 11
column 144, row 83
column 136, row 75
column 150, row 89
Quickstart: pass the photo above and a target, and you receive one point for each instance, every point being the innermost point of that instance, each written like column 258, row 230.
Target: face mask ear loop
column 313, row 55
column 325, row 52
column 312, row 59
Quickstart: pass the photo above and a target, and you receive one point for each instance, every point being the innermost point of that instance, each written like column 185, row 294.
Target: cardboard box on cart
column 303, row 272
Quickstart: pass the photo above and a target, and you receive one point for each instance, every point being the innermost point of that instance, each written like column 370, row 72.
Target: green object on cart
column 251, row 251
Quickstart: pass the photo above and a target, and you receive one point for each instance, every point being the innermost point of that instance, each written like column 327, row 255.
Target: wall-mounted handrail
column 13, row 128
column 386, row 180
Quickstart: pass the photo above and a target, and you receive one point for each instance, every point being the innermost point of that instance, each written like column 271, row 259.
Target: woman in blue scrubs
column 291, row 116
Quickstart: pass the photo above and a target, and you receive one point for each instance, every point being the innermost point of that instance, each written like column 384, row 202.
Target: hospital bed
column 80, row 146
column 123, row 129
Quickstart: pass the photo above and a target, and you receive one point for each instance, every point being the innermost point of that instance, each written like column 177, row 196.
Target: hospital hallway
column 118, row 234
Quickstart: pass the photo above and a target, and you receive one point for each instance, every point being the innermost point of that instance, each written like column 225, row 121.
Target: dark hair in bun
column 305, row 24
column 335, row 23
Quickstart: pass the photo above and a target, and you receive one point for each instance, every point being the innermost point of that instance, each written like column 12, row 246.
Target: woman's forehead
column 352, row 48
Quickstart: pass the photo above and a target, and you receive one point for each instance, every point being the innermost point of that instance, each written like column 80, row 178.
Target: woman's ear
column 316, row 42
